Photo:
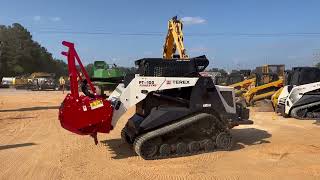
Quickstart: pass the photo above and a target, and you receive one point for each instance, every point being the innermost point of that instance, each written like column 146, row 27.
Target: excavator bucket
column 85, row 114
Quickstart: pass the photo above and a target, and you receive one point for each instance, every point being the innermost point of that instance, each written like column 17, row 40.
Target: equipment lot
column 34, row 146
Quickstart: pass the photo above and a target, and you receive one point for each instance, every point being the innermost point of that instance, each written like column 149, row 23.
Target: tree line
column 21, row 55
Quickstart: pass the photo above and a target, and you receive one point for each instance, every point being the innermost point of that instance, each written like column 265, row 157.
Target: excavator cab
column 262, row 79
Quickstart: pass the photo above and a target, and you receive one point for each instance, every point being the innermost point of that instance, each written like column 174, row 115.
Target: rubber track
column 168, row 129
column 294, row 111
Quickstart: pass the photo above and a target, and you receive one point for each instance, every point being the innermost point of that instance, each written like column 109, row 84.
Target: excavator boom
column 244, row 84
column 174, row 40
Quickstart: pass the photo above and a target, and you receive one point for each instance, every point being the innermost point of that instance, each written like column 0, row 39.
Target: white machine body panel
column 229, row 109
column 283, row 95
column 138, row 89
column 297, row 92
column 140, row 86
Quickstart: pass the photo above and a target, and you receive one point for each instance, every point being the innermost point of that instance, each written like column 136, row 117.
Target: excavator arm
column 174, row 40
column 243, row 84
column 262, row 92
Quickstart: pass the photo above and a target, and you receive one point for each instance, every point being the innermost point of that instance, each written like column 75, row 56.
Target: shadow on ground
column 31, row 108
column 119, row 148
column 243, row 137
column 10, row 146
column 249, row 136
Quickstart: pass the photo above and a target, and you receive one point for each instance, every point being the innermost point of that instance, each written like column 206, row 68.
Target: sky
column 233, row 34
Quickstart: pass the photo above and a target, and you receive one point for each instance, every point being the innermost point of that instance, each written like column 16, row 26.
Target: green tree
column 19, row 54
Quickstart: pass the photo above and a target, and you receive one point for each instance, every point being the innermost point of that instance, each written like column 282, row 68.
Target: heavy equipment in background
column 7, row 82
column 240, row 80
column 36, row 81
column 174, row 40
column 106, row 77
column 178, row 111
column 233, row 78
column 243, row 86
column 268, row 79
column 276, row 95
column 42, row 81
column 300, row 98
column 22, row 81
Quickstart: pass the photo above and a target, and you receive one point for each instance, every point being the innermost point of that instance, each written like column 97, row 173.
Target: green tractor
column 106, row 77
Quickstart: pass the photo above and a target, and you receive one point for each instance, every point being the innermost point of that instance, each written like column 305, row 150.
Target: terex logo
column 147, row 83
column 181, row 82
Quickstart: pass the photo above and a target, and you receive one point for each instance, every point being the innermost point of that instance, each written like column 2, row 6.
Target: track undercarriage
column 191, row 135
column 308, row 111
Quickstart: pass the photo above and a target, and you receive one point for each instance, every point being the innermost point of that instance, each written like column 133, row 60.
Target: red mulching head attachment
column 85, row 114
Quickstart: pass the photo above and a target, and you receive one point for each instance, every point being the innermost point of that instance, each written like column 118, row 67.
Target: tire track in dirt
column 38, row 130
column 35, row 132
column 291, row 148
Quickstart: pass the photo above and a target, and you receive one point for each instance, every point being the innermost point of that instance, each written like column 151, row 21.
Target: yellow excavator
column 274, row 98
column 243, row 86
column 174, row 40
column 269, row 79
column 254, row 88
column 241, row 81
column 286, row 81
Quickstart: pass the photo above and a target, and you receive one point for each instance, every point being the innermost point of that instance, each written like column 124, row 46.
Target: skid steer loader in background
column 178, row 112
column 269, row 78
column 300, row 98
column 275, row 97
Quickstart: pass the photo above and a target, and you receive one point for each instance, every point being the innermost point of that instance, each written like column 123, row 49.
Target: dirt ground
column 34, row 146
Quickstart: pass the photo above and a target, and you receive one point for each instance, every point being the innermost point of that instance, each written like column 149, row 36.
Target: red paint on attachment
column 81, row 114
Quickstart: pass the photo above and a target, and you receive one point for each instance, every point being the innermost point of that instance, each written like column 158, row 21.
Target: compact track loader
column 275, row 97
column 300, row 98
column 178, row 111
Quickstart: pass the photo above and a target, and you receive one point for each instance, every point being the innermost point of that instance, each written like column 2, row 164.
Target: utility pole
column 316, row 56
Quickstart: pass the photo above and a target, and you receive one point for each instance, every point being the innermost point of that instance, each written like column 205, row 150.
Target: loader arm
column 244, row 84
column 174, row 40
column 263, row 91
